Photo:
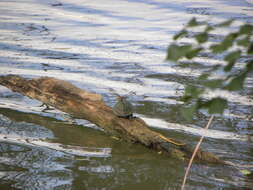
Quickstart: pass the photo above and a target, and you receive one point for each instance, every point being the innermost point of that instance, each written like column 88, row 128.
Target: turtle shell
column 123, row 108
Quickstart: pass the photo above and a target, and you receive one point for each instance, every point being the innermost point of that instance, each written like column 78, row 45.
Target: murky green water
column 107, row 47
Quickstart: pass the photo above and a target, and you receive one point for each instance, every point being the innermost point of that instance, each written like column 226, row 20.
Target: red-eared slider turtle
column 123, row 108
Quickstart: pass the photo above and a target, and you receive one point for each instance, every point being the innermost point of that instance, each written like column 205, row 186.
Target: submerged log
column 90, row 106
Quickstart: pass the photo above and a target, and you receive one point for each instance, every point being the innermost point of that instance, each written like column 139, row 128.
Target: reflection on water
column 40, row 168
column 118, row 46
column 130, row 167
column 45, row 168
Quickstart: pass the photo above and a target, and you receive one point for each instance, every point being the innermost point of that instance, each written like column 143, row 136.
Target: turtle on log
column 123, row 108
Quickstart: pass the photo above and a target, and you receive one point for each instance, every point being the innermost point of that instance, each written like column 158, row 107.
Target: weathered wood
column 90, row 106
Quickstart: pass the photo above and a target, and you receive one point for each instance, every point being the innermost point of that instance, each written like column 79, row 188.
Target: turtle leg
column 128, row 116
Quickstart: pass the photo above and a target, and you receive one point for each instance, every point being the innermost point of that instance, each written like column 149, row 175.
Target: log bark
column 90, row 106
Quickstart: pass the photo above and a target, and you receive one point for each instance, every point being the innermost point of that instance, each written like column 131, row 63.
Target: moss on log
column 90, row 106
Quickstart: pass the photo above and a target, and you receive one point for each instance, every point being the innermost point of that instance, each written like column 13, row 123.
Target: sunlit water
column 106, row 47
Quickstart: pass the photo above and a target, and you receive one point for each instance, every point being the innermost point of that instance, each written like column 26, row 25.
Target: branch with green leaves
column 231, row 48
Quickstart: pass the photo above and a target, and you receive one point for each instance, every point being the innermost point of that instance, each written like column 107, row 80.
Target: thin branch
column 194, row 153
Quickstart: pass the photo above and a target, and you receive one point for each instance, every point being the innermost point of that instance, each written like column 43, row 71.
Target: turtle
column 123, row 108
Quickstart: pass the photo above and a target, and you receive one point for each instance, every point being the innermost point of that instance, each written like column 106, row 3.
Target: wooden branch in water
column 90, row 106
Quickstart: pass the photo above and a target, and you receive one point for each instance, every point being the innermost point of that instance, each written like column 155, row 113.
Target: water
column 107, row 47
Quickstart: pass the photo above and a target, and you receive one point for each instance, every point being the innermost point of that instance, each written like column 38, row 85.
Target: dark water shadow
column 185, row 7
column 73, row 23
column 108, row 44
column 48, row 54
column 93, row 11
column 73, row 134
column 44, row 53
column 64, row 133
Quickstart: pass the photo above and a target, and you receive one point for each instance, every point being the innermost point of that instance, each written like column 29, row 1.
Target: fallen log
column 90, row 106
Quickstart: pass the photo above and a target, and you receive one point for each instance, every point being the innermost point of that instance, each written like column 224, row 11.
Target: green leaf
column 193, row 91
column 233, row 56
column 229, row 39
column 231, row 59
column 215, row 83
column 250, row 48
column 175, row 52
column 246, row 29
column 184, row 49
column 226, row 23
column 245, row 172
column 181, row 34
column 217, row 48
column 193, row 53
column 185, row 98
column 189, row 112
column 208, row 28
column 192, row 23
column 203, row 76
column 249, row 66
column 216, row 105
column 244, row 41
column 202, row 37
column 237, row 82
column 229, row 66
column 225, row 44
